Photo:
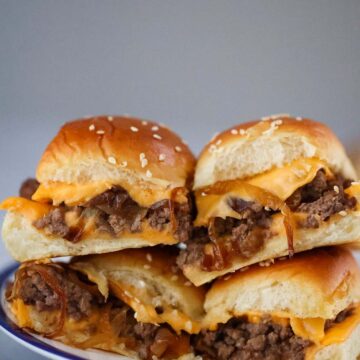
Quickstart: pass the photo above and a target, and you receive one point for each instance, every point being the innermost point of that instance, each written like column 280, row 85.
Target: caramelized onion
column 54, row 285
column 173, row 196
column 263, row 197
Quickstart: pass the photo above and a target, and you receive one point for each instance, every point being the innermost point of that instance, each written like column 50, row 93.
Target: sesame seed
column 142, row 156
column 355, row 183
column 144, row 122
column 148, row 173
column 184, row 142
column 242, row 132
column 134, row 129
column 157, row 136
column 148, row 257
column 203, row 193
column 111, row 160
column 123, row 164
column 244, row 268
column 267, row 208
column 162, row 157
column 143, row 162
column 265, row 118
column 174, row 278
column 234, row 131
column 100, row 132
column 212, row 148
column 178, row 148
column 110, row 118
column 182, row 246
column 147, row 267
column 155, row 128
column 126, row 115
column 92, row 127
column 218, row 142
column 226, row 278
column 342, row 213
column 336, row 189
column 298, row 118
column 187, row 283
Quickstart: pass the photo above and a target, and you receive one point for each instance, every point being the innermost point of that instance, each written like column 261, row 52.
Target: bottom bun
column 347, row 350
column 336, row 231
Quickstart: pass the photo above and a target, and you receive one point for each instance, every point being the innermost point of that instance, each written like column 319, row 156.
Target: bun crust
column 318, row 283
column 109, row 148
column 254, row 147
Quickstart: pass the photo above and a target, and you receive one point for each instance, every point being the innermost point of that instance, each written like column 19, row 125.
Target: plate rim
column 27, row 340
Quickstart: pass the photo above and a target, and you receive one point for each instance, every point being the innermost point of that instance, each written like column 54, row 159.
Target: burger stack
column 235, row 256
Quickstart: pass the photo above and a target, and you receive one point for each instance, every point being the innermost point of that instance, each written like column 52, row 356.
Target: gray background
column 198, row 66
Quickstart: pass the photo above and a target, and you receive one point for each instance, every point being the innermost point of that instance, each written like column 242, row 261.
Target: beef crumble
column 239, row 339
column 321, row 198
column 82, row 297
column 244, row 236
column 116, row 212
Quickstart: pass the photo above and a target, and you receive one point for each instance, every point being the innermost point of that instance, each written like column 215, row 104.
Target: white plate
column 51, row 349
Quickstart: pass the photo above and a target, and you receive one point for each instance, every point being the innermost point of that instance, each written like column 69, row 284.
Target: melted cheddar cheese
column 77, row 194
column 28, row 208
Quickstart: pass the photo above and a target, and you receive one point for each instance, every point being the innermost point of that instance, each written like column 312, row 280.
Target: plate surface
column 51, row 349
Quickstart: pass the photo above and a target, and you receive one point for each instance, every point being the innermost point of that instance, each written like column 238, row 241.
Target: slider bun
column 85, row 150
column 25, row 242
column 265, row 146
column 347, row 350
column 319, row 283
column 335, row 231
column 148, row 279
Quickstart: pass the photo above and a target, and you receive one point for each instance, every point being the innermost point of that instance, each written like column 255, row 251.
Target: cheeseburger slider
column 104, row 184
column 307, row 307
column 134, row 302
column 266, row 189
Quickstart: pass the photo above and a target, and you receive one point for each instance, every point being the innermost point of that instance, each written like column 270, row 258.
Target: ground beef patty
column 244, row 236
column 239, row 339
column 116, row 212
column 33, row 290
column 321, row 198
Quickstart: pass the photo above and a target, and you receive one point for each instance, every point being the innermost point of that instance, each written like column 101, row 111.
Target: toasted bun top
column 116, row 149
column 315, row 284
column 147, row 279
column 254, row 147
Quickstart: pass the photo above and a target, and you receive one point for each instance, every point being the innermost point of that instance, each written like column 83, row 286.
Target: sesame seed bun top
column 116, row 149
column 254, row 147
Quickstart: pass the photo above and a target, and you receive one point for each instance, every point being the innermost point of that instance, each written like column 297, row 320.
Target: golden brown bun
column 252, row 148
column 147, row 279
column 25, row 242
column 118, row 150
column 337, row 230
column 315, row 284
